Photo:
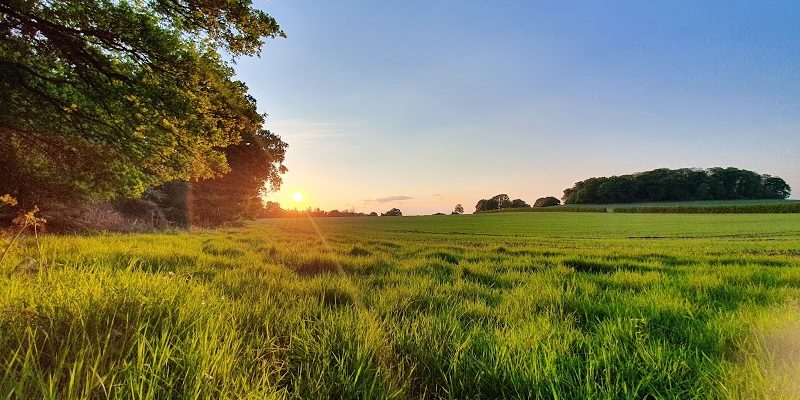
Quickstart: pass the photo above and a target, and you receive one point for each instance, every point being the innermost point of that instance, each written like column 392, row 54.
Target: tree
column 255, row 167
column 395, row 212
column 103, row 99
column 546, row 202
column 519, row 203
column 272, row 209
column 775, row 188
column 459, row 209
column 486, row 205
column 502, row 200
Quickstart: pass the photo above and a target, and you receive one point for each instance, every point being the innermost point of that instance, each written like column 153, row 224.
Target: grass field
column 518, row 305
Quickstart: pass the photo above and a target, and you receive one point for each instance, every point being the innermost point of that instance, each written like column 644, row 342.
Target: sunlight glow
column 298, row 197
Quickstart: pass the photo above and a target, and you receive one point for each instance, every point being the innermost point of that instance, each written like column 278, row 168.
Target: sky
column 421, row 105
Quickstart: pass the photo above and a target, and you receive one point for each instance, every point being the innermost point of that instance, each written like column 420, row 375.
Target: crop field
column 516, row 305
column 700, row 203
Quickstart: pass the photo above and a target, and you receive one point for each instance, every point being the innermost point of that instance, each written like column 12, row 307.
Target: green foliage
column 238, row 194
column 103, row 99
column 542, row 305
column 678, row 185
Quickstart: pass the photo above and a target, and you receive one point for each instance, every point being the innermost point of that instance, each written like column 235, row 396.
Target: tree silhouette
column 546, row 202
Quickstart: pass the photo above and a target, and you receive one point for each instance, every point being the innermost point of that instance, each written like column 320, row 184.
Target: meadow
column 506, row 305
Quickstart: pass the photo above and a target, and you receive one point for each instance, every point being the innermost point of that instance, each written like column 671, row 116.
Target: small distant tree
column 373, row 214
column 459, row 209
column 519, row 203
column 395, row 212
column 547, row 202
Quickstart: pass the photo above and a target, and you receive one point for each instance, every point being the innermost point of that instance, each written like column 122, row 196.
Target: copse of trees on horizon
column 502, row 201
column 685, row 184
column 498, row 202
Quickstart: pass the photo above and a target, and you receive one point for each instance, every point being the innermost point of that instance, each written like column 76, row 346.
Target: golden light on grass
column 298, row 197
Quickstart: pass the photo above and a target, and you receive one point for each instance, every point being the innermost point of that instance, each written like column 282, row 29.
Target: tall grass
column 480, row 306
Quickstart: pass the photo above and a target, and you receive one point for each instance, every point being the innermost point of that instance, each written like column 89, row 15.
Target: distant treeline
column 273, row 209
column 740, row 209
column 686, row 184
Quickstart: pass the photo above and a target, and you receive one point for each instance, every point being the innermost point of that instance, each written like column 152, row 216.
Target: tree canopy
column 678, row 185
column 548, row 201
column 105, row 98
column 238, row 194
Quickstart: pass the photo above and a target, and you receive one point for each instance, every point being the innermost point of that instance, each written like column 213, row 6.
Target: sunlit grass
column 490, row 306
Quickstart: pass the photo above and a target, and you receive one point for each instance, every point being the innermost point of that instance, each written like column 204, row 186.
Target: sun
column 298, row 197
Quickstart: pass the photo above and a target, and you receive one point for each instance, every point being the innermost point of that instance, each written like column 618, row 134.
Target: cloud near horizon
column 389, row 199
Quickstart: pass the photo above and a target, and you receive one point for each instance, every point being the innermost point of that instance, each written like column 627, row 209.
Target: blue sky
column 424, row 104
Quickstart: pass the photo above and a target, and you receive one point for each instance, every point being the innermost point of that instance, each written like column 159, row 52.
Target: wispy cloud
column 301, row 131
column 388, row 199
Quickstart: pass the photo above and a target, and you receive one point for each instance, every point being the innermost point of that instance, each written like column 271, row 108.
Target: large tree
column 255, row 167
column 104, row 98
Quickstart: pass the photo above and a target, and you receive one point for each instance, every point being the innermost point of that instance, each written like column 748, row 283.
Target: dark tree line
column 273, row 209
column 685, row 184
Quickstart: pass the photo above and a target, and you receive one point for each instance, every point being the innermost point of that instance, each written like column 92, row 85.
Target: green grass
column 518, row 305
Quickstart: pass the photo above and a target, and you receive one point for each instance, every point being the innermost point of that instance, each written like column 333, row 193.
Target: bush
column 123, row 216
